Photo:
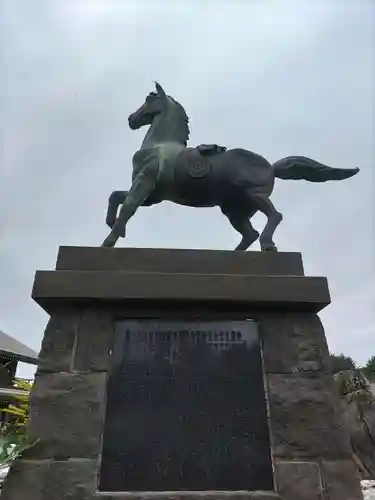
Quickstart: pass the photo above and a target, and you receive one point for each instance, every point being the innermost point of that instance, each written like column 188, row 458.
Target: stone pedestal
column 93, row 288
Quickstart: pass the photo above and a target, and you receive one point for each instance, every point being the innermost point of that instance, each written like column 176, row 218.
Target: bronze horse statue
column 240, row 182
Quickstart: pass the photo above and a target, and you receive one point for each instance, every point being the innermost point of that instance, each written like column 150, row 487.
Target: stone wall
column 310, row 446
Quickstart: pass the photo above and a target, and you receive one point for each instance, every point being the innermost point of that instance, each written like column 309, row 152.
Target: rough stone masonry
column 92, row 288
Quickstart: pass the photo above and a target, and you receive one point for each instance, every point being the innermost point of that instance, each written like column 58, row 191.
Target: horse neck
column 169, row 126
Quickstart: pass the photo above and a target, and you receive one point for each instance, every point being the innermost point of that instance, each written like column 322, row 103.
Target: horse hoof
column 110, row 241
column 269, row 248
column 247, row 240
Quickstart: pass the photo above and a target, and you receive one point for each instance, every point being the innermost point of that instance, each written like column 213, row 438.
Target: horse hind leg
column 241, row 223
column 264, row 205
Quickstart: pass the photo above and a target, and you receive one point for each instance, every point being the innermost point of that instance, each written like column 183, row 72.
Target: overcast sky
column 278, row 77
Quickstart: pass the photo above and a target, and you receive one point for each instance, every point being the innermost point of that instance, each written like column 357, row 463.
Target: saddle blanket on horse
column 194, row 172
column 210, row 149
column 195, row 162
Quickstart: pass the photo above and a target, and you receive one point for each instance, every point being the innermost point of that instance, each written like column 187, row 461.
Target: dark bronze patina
column 240, row 182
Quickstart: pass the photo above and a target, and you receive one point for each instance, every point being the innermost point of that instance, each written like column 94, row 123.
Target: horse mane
column 184, row 118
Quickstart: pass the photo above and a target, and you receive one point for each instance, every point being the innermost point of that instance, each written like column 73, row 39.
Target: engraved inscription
column 186, row 409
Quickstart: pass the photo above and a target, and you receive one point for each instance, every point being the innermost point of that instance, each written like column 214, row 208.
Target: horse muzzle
column 132, row 120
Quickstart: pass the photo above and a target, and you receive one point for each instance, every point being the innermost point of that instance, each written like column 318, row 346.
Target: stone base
column 333, row 480
column 92, row 288
column 74, row 480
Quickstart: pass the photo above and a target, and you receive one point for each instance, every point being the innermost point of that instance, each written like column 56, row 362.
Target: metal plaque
column 186, row 408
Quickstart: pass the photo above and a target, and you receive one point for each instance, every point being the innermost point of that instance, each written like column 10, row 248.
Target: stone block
column 299, row 480
column 66, row 414
column 297, row 293
column 265, row 495
column 195, row 495
column 59, row 339
column 163, row 260
column 71, row 480
column 51, row 480
column 94, row 342
column 25, row 480
column 294, row 343
column 341, row 480
column 305, row 419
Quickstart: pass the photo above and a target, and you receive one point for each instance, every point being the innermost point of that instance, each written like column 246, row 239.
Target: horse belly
column 196, row 192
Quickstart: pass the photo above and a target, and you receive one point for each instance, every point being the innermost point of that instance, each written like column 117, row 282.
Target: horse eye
column 151, row 97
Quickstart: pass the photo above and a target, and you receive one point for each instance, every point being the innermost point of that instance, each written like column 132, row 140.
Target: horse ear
column 160, row 90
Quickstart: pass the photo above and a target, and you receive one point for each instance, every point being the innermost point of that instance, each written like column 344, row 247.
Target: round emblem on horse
column 199, row 169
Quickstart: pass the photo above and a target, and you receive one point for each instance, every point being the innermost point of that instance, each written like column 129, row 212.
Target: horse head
column 155, row 103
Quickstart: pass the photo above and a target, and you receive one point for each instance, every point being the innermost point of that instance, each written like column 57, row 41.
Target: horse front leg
column 141, row 188
column 116, row 199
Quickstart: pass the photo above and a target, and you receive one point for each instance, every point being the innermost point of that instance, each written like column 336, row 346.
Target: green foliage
column 353, row 386
column 14, row 439
column 369, row 369
column 341, row 363
column 19, row 408
column 12, row 444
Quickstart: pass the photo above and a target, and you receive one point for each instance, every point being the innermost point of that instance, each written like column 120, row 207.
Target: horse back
column 245, row 167
column 207, row 180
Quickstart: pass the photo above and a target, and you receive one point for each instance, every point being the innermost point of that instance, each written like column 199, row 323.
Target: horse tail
column 300, row 167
